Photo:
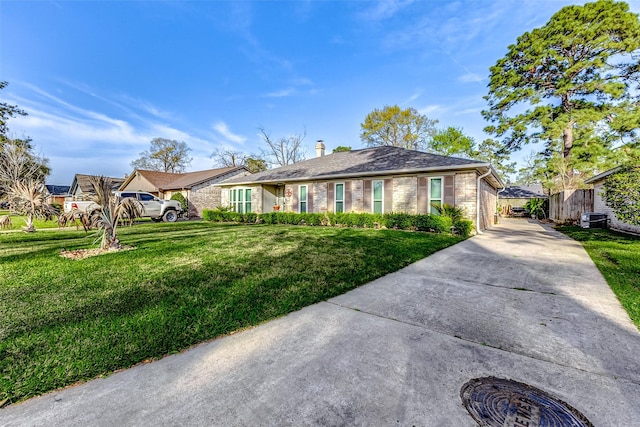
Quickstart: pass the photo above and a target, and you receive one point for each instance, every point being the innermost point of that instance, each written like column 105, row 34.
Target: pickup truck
column 153, row 207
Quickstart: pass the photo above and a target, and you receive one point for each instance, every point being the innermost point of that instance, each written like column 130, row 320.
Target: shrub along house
column 196, row 187
column 373, row 180
column 600, row 204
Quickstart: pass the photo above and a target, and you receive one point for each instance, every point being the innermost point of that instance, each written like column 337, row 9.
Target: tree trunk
column 567, row 140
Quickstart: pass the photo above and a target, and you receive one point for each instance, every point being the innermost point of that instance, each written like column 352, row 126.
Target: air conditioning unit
column 593, row 220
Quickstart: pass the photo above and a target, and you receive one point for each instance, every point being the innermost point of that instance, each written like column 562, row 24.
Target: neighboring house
column 57, row 193
column 377, row 180
column 518, row 195
column 599, row 204
column 196, row 187
column 81, row 188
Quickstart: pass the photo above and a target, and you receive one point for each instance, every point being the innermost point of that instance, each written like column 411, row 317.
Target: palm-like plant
column 456, row 213
column 111, row 210
column 29, row 198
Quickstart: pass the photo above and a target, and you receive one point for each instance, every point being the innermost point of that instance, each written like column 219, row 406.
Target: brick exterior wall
column 600, row 206
column 465, row 194
column 405, row 194
column 319, row 192
column 206, row 196
column 357, row 196
column 488, row 200
column 203, row 196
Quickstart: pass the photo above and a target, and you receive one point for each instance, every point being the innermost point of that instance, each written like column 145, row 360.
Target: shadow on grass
column 113, row 312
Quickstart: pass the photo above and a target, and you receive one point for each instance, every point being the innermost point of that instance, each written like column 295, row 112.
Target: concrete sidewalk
column 521, row 302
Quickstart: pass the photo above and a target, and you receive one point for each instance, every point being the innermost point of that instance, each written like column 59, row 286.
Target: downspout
column 478, row 200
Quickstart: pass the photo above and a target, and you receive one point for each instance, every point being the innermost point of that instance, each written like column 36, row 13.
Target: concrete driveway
column 519, row 302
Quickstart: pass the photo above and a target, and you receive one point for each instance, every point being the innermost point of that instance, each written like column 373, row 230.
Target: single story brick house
column 600, row 205
column 81, row 188
column 196, row 187
column 376, row 180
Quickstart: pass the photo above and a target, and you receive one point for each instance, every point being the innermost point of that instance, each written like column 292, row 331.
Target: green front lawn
column 19, row 221
column 71, row 320
column 617, row 256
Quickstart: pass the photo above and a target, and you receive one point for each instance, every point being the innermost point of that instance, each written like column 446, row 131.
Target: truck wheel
column 170, row 216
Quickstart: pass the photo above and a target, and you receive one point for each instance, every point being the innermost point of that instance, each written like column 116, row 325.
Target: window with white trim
column 240, row 200
column 303, row 198
column 377, row 189
column 339, row 207
column 435, row 195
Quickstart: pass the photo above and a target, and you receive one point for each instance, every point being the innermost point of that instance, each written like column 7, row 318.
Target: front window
column 240, row 200
column 435, row 195
column 303, row 199
column 377, row 196
column 339, row 198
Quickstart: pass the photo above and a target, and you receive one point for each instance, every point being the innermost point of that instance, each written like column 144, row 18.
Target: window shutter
column 388, row 195
column 366, row 197
column 423, row 195
column 331, row 198
column 294, row 199
column 449, row 190
column 347, row 197
column 310, row 198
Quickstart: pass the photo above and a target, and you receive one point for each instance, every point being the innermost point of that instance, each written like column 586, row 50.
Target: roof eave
column 601, row 176
column 472, row 166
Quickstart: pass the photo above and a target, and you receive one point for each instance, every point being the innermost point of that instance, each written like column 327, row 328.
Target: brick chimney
column 320, row 148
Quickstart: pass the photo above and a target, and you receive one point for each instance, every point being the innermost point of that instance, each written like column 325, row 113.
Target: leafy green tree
column 7, row 111
column 392, row 126
column 622, row 194
column 569, row 81
column 164, row 155
column 493, row 152
column 255, row 164
column 453, row 142
column 341, row 148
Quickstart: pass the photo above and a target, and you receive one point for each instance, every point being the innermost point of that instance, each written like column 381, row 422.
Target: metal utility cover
column 496, row 402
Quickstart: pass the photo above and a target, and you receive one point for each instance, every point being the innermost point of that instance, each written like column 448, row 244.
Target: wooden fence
column 568, row 205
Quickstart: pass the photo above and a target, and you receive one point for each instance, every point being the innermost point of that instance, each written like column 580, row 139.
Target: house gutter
column 451, row 168
column 478, row 200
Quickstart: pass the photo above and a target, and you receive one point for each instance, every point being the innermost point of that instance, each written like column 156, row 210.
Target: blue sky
column 101, row 79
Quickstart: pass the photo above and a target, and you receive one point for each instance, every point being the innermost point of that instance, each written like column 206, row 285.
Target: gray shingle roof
column 365, row 162
column 517, row 192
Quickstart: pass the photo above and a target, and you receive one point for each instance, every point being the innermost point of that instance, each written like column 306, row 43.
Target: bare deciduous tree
column 284, row 150
column 228, row 158
column 18, row 163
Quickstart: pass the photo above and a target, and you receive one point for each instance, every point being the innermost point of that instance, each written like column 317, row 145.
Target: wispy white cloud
column 225, row 132
column 384, row 9
column 429, row 109
column 62, row 130
column 470, row 78
column 413, row 97
column 281, row 93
